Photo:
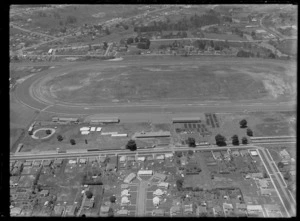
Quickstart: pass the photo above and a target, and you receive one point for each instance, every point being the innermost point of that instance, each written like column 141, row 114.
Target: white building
column 145, row 172
column 163, row 184
column 125, row 200
column 158, row 192
column 156, row 201
column 125, row 193
column 141, row 159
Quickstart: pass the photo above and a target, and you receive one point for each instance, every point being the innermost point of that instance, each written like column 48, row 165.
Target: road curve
column 28, row 97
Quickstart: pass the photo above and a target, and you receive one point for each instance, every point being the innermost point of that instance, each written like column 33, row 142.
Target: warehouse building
column 104, row 120
column 186, row 120
column 152, row 134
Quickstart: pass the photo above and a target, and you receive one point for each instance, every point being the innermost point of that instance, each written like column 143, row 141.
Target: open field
column 201, row 82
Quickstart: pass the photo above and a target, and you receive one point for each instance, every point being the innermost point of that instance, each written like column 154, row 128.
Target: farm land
column 208, row 179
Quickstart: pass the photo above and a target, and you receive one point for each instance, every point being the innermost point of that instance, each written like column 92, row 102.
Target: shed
column 253, row 153
column 84, row 129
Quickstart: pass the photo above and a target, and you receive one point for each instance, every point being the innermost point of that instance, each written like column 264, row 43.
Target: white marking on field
column 86, row 108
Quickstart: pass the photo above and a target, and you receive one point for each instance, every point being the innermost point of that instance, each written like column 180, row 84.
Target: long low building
column 186, row 120
column 104, row 120
column 152, row 134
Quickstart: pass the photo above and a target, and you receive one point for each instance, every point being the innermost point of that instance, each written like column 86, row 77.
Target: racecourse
column 27, row 93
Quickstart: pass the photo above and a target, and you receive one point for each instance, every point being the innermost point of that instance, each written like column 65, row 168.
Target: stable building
column 186, row 120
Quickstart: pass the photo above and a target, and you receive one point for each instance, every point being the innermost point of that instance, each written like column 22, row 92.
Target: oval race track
column 28, row 93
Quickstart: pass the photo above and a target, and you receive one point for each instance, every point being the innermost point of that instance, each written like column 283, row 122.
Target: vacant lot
column 206, row 81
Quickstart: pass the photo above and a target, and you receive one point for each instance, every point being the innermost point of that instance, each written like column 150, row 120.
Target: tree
column 48, row 132
column 190, row 152
column 220, row 140
column 89, row 194
column 244, row 140
column 179, row 154
column 129, row 41
column 235, row 140
column 72, row 141
column 107, row 31
column 243, row 123
column 112, row 199
column 131, row 145
column 265, row 175
column 59, row 138
column 191, row 142
column 179, row 184
column 280, row 165
column 287, row 175
column 249, row 132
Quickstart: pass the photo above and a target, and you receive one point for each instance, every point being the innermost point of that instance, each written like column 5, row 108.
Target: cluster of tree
column 131, row 145
column 191, row 142
column 72, row 141
column 243, row 123
column 235, row 140
column 60, row 138
column 143, row 43
column 71, row 19
column 203, row 20
column 246, row 54
column 48, row 132
column 179, row 184
column 180, row 34
column 220, row 140
column 182, row 24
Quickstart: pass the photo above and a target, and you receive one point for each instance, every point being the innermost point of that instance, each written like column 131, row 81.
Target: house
column 72, row 161
column 104, row 210
column 124, row 201
column 253, row 153
column 130, row 177
column 241, row 209
column 82, row 161
column 160, row 157
column 71, row 210
column 183, row 160
column 123, row 212
column 201, row 210
column 257, row 175
column 158, row 192
column 174, row 210
column 163, row 184
column 285, row 155
column 188, row 209
column 122, row 158
column 217, row 155
column 156, row 201
column 141, row 159
column 27, row 163
column 47, row 163
column 131, row 158
column 235, row 153
column 243, row 153
column 124, row 186
column 218, row 211
column 88, row 204
column 228, row 209
column 15, row 211
column 255, row 210
column 125, row 193
column 160, row 176
column 102, row 159
column 58, row 210
column 44, row 193
column 57, row 162
column 169, row 155
column 158, row 212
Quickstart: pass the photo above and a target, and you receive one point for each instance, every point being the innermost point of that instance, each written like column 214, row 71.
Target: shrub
column 243, row 123
column 48, row 132
column 72, row 141
column 59, row 138
column 244, row 140
column 131, row 145
column 249, row 132
column 191, row 142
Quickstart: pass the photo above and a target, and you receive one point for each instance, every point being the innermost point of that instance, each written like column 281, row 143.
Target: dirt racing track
column 164, row 86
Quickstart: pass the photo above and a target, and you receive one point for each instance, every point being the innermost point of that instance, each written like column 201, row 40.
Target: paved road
column 286, row 199
column 213, row 39
column 30, row 96
column 141, row 198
